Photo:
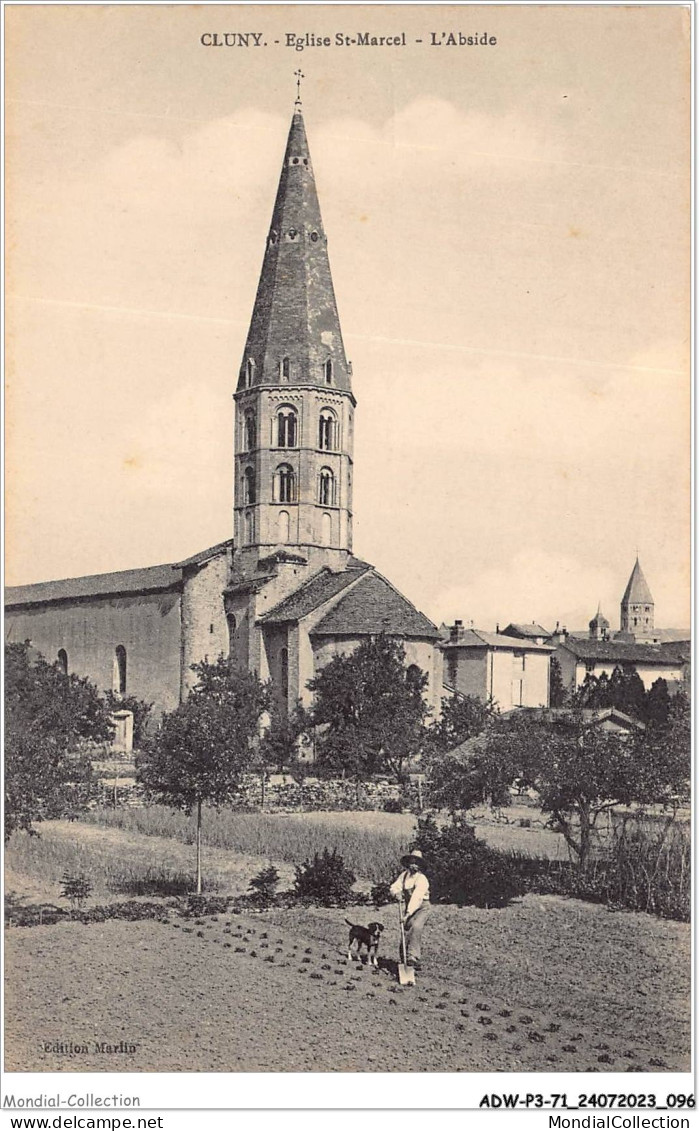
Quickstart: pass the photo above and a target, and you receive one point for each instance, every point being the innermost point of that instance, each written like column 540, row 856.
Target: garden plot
column 543, row 985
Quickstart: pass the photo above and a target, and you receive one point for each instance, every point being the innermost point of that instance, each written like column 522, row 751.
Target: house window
column 589, row 665
column 286, row 427
column 328, row 371
column 284, row 369
column 249, row 486
column 62, row 660
column 119, row 670
column 249, row 372
column 284, row 671
column 326, row 488
column 250, row 430
column 452, row 668
column 327, row 431
column 285, row 487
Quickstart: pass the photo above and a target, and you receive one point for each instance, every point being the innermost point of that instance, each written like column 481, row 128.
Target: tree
column 280, row 742
column 623, row 689
column 462, row 717
column 658, row 704
column 204, row 747
column 580, row 771
column 558, row 693
column 50, row 717
column 371, row 710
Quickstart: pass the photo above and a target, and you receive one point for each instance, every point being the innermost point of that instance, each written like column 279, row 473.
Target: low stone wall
column 284, row 795
column 290, row 796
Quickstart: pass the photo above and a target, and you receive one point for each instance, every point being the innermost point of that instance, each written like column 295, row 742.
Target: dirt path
column 274, row 992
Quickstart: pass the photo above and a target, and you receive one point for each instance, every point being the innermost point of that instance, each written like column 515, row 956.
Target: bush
column 262, row 886
column 324, row 880
column 464, row 870
column 393, row 805
column 644, row 870
column 381, row 895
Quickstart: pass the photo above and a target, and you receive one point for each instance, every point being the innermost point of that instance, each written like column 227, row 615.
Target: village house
column 506, row 670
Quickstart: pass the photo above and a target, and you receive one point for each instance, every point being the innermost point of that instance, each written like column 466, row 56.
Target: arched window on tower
column 119, row 670
column 248, row 486
column 327, row 430
column 326, row 528
column 328, row 371
column 249, row 372
column 326, row 487
column 284, row 369
column 287, row 427
column 249, row 532
column 62, row 660
column 285, row 484
column 250, row 430
column 283, row 527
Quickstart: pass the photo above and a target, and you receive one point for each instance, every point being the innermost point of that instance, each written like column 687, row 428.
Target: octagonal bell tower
column 294, row 402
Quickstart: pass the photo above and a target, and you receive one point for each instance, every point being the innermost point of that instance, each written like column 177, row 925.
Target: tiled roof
column 588, row 716
column 295, row 313
column 526, row 630
column 316, row 591
column 476, row 638
column 146, row 580
column 373, row 606
column 621, row 651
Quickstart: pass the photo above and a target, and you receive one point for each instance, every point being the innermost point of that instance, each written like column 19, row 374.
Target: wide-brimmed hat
column 413, row 857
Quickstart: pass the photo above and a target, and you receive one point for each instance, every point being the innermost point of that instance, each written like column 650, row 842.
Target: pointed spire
column 637, row 591
column 295, row 336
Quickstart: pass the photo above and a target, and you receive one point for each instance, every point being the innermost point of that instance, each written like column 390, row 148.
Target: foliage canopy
column 50, row 716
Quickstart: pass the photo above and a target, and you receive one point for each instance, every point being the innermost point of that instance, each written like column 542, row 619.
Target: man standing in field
column 412, row 890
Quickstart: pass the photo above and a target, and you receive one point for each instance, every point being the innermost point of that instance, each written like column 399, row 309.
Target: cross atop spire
column 299, row 75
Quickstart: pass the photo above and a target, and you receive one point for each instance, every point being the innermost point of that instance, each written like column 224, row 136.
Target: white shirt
column 414, row 884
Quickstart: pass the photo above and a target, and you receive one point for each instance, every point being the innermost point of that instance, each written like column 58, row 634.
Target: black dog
column 364, row 938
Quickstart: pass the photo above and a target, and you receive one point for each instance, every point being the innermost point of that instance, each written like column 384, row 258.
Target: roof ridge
column 309, row 581
column 295, row 592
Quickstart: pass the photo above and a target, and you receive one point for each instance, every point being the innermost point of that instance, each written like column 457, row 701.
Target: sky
column 508, row 229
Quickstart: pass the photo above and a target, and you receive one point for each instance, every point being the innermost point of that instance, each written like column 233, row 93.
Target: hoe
column 406, row 974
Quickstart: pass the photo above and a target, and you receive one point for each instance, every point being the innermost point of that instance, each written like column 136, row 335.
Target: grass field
column 369, row 842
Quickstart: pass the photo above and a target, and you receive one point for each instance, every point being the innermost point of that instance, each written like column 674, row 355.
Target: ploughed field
column 544, row 984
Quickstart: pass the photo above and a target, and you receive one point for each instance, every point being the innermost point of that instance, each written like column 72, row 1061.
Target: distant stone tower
column 599, row 625
column 294, row 402
column 637, row 606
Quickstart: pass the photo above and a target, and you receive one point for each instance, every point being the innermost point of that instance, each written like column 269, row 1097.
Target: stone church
column 285, row 594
